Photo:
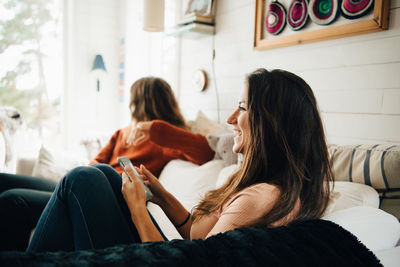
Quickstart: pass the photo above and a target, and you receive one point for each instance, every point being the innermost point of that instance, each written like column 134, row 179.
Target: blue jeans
column 22, row 200
column 86, row 211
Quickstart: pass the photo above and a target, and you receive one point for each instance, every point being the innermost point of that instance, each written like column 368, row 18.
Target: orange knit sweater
column 167, row 142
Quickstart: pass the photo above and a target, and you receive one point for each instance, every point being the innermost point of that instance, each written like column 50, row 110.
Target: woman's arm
column 135, row 197
column 194, row 146
column 174, row 210
column 145, row 226
column 178, row 215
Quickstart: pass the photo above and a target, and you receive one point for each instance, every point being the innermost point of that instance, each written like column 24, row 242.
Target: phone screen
column 124, row 162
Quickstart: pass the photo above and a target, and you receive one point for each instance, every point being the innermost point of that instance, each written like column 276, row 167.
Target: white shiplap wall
column 91, row 27
column 356, row 79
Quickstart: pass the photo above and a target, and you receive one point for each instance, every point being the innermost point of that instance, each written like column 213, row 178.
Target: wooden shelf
column 192, row 30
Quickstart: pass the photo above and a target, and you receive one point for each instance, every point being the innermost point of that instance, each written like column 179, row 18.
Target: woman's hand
column 135, row 197
column 133, row 192
column 140, row 134
column 159, row 192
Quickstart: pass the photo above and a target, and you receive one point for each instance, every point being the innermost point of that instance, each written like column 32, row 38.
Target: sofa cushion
column 25, row 165
column 188, row 182
column 389, row 257
column 376, row 229
column 347, row 195
column 374, row 165
column 53, row 165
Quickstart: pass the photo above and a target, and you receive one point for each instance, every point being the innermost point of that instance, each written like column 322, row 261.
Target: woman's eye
column 241, row 106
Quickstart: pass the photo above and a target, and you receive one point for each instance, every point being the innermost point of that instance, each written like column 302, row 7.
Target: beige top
column 246, row 206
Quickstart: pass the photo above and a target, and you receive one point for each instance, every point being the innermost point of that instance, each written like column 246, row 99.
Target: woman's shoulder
column 258, row 193
column 261, row 188
column 162, row 124
column 123, row 129
column 122, row 132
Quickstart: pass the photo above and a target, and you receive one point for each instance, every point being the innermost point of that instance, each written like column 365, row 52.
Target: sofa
column 369, row 211
column 364, row 201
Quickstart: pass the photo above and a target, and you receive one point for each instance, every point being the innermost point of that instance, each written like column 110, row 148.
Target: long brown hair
column 153, row 99
column 287, row 149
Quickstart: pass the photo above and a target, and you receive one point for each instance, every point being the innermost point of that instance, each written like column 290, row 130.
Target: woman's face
column 240, row 122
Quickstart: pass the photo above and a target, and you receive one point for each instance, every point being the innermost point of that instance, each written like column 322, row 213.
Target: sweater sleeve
column 194, row 146
column 106, row 152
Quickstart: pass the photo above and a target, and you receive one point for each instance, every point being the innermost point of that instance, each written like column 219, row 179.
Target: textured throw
column 309, row 243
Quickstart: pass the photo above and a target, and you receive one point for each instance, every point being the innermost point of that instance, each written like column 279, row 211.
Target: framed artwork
column 199, row 7
column 266, row 37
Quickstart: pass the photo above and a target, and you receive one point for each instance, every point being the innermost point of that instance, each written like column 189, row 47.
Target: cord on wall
column 215, row 77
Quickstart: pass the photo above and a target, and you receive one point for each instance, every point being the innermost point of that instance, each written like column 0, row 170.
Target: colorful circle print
column 353, row 9
column 297, row 16
column 323, row 12
column 275, row 20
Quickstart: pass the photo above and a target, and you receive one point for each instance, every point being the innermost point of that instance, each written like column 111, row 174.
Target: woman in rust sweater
column 156, row 122
column 156, row 117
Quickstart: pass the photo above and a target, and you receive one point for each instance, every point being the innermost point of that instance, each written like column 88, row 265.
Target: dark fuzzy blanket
column 309, row 243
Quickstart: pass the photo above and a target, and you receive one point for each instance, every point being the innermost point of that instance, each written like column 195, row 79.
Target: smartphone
column 125, row 161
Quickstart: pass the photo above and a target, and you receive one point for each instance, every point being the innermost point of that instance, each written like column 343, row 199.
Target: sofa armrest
column 389, row 257
column 25, row 166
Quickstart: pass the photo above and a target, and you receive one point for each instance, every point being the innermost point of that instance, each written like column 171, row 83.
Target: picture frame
column 378, row 22
column 198, row 7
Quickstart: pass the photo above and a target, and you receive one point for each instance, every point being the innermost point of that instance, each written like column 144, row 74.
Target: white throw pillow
column 53, row 165
column 348, row 194
column 376, row 229
column 188, row 182
column 204, row 125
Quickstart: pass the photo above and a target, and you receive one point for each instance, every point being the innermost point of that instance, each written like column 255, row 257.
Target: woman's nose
column 232, row 119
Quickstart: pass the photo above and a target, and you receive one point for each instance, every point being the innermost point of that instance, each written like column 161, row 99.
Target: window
column 31, row 78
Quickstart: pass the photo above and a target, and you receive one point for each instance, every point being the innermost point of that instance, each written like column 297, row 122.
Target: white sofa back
column 353, row 206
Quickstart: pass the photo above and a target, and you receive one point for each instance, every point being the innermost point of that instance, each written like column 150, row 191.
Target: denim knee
column 81, row 177
column 103, row 167
column 10, row 199
column 113, row 177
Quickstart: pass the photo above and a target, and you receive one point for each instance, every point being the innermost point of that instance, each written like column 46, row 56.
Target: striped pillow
column 374, row 165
